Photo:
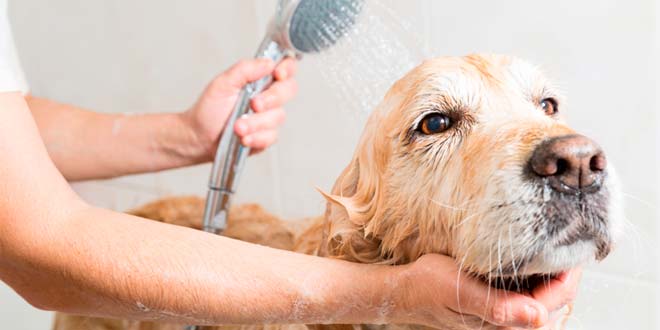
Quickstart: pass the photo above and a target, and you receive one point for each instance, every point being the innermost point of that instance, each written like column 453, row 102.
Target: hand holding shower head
column 299, row 27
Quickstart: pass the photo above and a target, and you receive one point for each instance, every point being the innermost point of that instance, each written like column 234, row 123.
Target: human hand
column 436, row 294
column 557, row 296
column 208, row 116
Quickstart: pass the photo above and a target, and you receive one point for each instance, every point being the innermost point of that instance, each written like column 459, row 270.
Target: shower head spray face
column 310, row 26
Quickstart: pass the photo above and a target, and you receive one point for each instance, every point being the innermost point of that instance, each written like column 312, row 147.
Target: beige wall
column 155, row 55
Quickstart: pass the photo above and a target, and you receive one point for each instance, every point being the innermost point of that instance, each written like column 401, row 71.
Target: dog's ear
column 355, row 200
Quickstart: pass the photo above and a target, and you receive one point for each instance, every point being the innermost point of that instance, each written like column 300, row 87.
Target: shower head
column 309, row 26
column 299, row 27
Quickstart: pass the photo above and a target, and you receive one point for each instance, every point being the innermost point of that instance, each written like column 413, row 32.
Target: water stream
column 377, row 51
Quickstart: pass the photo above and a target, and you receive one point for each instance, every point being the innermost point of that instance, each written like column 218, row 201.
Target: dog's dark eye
column 549, row 106
column 434, row 123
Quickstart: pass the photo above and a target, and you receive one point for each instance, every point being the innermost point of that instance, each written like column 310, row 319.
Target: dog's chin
column 550, row 263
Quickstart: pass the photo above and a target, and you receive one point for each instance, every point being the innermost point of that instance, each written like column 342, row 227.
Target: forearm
column 61, row 254
column 88, row 145
column 115, row 265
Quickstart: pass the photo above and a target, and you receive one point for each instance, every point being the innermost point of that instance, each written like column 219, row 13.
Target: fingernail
column 531, row 314
column 564, row 276
column 257, row 103
column 282, row 74
column 241, row 127
column 264, row 102
column 535, row 316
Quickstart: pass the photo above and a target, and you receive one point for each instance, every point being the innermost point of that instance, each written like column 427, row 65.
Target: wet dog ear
column 347, row 218
column 354, row 204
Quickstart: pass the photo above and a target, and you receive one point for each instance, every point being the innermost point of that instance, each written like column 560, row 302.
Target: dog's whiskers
column 642, row 201
column 458, row 281
column 459, row 208
column 468, row 218
column 490, row 281
column 513, row 260
column 452, row 207
column 500, row 269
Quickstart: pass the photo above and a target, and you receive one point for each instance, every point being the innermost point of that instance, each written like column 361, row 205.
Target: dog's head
column 470, row 157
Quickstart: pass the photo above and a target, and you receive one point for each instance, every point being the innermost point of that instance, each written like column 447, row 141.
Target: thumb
column 495, row 306
column 244, row 72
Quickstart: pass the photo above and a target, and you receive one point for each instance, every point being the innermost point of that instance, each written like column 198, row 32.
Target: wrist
column 194, row 143
column 384, row 294
column 345, row 293
column 399, row 291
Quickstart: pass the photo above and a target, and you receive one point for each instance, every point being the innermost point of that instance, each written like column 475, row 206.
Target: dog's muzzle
column 574, row 167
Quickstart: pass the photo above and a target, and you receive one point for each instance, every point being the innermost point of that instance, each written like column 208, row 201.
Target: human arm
column 61, row 254
column 90, row 145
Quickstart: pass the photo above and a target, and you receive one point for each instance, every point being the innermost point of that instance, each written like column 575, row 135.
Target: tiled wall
column 152, row 56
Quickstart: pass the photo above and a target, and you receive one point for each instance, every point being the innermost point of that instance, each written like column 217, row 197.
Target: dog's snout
column 572, row 163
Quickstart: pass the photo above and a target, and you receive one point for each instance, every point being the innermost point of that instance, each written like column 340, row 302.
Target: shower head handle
column 299, row 27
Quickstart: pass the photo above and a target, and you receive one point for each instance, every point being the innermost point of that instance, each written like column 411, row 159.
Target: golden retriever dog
column 465, row 156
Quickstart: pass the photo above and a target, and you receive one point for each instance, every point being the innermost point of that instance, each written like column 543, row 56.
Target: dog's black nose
column 572, row 163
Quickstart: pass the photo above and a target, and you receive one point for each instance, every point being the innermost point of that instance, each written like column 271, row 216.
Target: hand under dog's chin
column 548, row 264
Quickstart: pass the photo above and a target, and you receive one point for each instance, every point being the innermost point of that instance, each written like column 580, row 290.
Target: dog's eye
column 549, row 106
column 434, row 123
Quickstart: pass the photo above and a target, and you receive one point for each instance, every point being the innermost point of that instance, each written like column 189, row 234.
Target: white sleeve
column 12, row 78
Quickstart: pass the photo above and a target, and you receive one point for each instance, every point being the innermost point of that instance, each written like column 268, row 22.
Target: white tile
column 113, row 197
column 608, row 302
column 149, row 182
column 636, row 255
column 260, row 182
column 17, row 314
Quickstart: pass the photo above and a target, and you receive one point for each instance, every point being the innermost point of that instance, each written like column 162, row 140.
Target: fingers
column 286, row 69
column 559, row 291
column 248, row 125
column 259, row 130
column 503, row 308
column 260, row 140
column 245, row 71
column 275, row 96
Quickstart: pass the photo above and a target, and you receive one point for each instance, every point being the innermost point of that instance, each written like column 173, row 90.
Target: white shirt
column 12, row 78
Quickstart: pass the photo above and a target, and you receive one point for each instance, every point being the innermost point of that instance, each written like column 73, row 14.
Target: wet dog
column 468, row 157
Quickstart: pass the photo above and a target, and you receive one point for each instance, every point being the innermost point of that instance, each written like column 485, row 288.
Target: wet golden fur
column 405, row 194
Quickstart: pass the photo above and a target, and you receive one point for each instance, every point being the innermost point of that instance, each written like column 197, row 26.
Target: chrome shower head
column 299, row 27
column 309, row 26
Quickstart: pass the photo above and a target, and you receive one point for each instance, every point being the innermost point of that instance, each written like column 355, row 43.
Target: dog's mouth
column 521, row 283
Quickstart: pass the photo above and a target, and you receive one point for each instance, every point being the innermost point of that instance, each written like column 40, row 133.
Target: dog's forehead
column 470, row 83
column 473, row 75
